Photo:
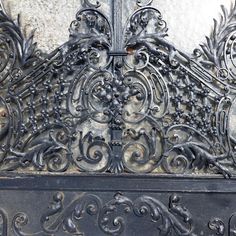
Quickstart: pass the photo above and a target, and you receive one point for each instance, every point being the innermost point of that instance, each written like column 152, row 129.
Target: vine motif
column 111, row 217
column 117, row 100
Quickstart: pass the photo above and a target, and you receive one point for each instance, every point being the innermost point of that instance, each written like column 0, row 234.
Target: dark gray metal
column 117, row 205
column 117, row 99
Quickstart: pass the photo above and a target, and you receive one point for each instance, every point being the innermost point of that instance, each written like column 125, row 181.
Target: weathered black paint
column 167, row 187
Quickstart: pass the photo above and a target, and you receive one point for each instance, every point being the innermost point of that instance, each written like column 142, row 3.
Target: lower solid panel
column 70, row 210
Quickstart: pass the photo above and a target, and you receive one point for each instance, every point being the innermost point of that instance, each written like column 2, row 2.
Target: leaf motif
column 210, row 44
column 225, row 13
column 207, row 63
column 25, row 46
column 207, row 53
column 213, row 49
column 221, row 49
column 69, row 226
column 2, row 8
column 214, row 32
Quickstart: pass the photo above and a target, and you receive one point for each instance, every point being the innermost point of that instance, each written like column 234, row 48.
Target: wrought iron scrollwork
column 117, row 98
column 119, row 215
column 111, row 217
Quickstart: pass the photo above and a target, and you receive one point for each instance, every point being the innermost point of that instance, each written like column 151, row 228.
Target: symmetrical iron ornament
column 118, row 98
column 111, row 218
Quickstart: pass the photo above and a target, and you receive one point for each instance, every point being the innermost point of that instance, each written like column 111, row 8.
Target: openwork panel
column 118, row 97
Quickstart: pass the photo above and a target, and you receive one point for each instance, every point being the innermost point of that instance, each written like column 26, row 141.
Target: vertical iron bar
column 117, row 24
column 116, row 124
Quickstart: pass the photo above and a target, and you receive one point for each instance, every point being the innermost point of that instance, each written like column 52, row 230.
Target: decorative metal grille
column 118, row 99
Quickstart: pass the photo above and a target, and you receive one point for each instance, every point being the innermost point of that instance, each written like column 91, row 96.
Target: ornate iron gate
column 117, row 132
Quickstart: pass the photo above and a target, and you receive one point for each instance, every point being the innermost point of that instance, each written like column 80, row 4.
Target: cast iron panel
column 117, row 132
column 118, row 97
column 117, row 205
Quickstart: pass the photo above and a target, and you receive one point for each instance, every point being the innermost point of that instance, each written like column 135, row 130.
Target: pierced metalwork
column 118, row 98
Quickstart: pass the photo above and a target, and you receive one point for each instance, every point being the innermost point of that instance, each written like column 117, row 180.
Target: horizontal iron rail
column 113, row 183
